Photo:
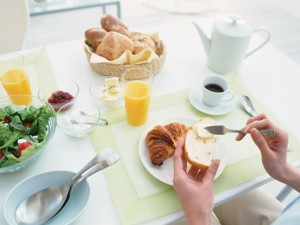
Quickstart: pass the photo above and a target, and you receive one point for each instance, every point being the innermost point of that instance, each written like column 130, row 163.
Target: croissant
column 162, row 140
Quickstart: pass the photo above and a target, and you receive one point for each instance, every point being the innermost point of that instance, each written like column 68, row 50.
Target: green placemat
column 137, row 195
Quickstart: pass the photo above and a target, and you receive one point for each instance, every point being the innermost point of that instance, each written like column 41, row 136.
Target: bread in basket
column 120, row 49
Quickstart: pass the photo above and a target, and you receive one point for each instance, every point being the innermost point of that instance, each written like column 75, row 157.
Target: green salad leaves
column 22, row 124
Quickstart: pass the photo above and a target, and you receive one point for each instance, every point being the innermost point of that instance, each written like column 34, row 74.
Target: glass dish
column 76, row 120
column 63, row 85
column 51, row 127
column 99, row 91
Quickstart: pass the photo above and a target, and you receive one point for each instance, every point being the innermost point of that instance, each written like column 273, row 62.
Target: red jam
column 59, row 98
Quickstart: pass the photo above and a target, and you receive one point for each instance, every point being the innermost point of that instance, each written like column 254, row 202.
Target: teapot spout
column 205, row 40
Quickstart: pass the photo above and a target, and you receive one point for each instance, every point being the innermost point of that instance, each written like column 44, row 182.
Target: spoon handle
column 97, row 159
column 110, row 160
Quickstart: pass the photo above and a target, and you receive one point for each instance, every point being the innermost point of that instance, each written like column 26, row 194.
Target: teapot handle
column 262, row 44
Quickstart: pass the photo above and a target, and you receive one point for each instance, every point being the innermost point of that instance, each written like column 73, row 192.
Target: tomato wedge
column 23, row 146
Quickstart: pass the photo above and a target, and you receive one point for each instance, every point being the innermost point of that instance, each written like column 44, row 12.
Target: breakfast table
column 126, row 193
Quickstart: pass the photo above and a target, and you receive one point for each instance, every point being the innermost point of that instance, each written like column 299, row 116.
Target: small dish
column 195, row 98
column 30, row 185
column 165, row 172
column 66, row 91
column 83, row 112
column 107, row 91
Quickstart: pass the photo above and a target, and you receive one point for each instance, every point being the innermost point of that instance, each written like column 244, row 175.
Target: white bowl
column 72, row 210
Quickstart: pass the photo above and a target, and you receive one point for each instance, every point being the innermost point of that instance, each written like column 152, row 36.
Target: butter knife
column 221, row 130
column 248, row 105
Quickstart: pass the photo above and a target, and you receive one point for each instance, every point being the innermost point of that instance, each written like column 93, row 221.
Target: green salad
column 23, row 130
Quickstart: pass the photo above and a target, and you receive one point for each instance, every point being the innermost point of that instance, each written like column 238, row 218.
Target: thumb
column 259, row 140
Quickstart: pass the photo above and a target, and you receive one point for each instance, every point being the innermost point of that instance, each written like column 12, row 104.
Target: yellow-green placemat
column 137, row 195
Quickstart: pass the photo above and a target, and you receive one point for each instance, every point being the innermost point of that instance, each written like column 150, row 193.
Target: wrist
column 291, row 176
column 199, row 218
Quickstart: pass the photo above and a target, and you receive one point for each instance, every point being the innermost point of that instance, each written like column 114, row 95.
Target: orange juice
column 16, row 82
column 137, row 100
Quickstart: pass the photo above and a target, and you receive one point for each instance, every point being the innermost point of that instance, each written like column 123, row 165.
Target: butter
column 199, row 128
column 111, row 91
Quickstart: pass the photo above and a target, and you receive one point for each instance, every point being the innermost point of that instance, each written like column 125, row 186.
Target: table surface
column 270, row 75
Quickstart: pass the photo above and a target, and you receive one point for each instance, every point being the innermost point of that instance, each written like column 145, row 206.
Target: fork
column 220, row 130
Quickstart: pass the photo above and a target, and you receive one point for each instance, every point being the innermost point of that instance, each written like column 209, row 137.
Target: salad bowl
column 25, row 130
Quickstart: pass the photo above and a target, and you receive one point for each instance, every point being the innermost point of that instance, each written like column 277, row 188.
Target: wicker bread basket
column 110, row 69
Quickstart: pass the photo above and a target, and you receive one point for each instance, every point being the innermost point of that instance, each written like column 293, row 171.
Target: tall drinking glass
column 137, row 93
column 14, row 78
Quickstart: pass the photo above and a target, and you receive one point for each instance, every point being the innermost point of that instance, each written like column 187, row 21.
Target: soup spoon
column 44, row 204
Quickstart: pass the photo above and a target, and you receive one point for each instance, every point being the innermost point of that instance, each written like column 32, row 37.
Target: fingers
column 259, row 140
column 259, row 122
column 178, row 159
column 258, row 117
column 210, row 173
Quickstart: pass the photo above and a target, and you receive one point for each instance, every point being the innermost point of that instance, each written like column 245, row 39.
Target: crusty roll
column 162, row 140
column 94, row 36
column 141, row 42
column 114, row 45
column 199, row 145
column 111, row 23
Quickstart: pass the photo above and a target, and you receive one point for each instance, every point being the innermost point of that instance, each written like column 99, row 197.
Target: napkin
column 147, row 55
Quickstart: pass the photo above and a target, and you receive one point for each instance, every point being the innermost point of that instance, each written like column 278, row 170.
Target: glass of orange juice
column 15, row 82
column 137, row 92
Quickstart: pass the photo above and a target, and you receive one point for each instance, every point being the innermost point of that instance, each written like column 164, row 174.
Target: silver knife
column 248, row 105
column 221, row 130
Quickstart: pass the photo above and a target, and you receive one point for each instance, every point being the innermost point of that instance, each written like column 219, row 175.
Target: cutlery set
column 248, row 106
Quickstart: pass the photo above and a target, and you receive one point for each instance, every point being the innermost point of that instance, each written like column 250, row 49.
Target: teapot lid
column 233, row 25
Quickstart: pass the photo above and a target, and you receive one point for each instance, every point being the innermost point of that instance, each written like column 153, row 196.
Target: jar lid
column 233, row 25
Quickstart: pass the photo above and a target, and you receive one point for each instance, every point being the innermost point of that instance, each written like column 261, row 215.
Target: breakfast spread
column 111, row 90
column 113, row 39
column 162, row 140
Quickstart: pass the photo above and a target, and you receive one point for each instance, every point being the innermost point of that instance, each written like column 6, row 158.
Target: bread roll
column 141, row 42
column 114, row 45
column 111, row 23
column 94, row 36
column 199, row 144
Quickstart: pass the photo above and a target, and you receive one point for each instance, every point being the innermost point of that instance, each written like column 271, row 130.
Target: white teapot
column 229, row 43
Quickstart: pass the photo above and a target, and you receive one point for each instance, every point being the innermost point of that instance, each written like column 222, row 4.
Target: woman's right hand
column 273, row 149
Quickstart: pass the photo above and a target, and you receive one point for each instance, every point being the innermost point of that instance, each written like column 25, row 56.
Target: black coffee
column 214, row 87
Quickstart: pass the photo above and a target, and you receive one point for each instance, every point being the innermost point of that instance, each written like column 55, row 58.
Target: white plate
column 195, row 98
column 29, row 186
column 165, row 173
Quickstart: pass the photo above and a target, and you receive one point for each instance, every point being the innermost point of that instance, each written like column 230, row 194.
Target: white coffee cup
column 215, row 90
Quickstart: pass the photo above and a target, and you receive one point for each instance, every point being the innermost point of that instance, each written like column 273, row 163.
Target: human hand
column 195, row 188
column 273, row 149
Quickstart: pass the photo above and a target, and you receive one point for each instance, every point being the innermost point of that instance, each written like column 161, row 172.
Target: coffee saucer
column 195, row 98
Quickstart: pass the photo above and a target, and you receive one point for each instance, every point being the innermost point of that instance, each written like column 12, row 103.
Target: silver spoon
column 88, row 123
column 110, row 160
column 102, row 119
column 44, row 204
